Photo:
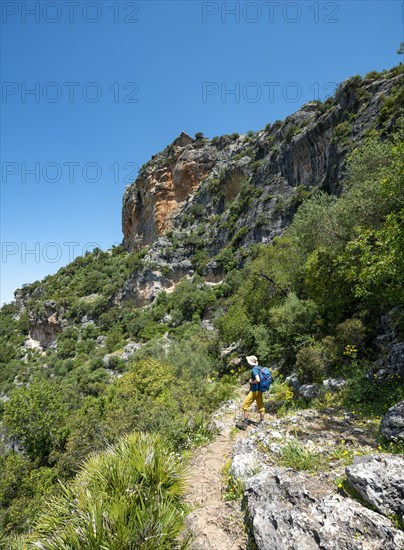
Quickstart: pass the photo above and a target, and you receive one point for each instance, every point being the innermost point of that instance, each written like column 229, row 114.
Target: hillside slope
column 286, row 243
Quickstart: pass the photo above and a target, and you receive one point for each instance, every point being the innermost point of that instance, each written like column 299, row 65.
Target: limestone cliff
column 161, row 189
column 200, row 198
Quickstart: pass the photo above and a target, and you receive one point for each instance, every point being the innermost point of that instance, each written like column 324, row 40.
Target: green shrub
column 22, row 487
column 193, row 354
column 191, row 297
column 113, row 340
column 198, row 211
column 342, row 131
column 234, row 488
column 126, row 497
column 310, row 364
column 235, row 325
column 239, row 236
column 280, row 392
column 291, row 322
column 199, row 261
column 350, row 336
column 226, row 259
column 35, row 417
column 291, row 131
column 368, row 395
column 294, row 455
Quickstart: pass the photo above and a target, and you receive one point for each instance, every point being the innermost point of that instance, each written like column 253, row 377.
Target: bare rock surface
column 380, row 481
column 293, row 511
column 288, row 509
column 392, row 423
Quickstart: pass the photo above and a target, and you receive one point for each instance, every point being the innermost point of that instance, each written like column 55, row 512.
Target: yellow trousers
column 251, row 397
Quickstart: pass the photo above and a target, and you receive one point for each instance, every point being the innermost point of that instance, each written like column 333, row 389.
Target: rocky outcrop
column 46, row 324
column 247, row 460
column 161, row 189
column 390, row 347
column 111, row 359
column 392, row 423
column 201, row 196
column 379, row 479
column 143, row 286
column 292, row 510
column 309, row 391
column 289, row 509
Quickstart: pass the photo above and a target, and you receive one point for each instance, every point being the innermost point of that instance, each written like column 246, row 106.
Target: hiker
column 254, row 394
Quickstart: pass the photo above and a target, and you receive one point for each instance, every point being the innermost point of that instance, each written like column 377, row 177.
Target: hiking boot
column 242, row 425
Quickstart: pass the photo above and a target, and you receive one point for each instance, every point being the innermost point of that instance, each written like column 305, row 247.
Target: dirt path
column 215, row 523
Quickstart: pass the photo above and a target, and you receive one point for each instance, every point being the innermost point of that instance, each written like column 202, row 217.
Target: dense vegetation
column 312, row 301
column 308, row 303
column 132, row 494
column 324, row 285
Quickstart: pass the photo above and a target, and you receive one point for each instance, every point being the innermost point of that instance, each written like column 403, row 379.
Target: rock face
column 392, row 423
column 161, row 189
column 294, row 511
column 142, row 287
column 201, row 196
column 380, row 481
column 309, row 391
column 247, row 461
column 45, row 325
column 391, row 348
column 288, row 509
column 198, row 206
column 395, row 358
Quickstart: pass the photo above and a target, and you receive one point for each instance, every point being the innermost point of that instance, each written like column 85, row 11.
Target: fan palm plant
column 127, row 497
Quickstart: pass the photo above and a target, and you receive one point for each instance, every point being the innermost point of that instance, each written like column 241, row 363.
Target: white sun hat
column 252, row 360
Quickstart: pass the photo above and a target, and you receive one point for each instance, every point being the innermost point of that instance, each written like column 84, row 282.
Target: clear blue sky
column 115, row 82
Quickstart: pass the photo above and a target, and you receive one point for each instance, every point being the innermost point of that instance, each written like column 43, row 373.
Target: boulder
column 208, row 325
column 100, row 341
column 395, row 359
column 291, row 510
column 247, row 461
column 379, row 479
column 392, row 423
column 231, row 349
column 32, row 344
column 293, row 382
column 309, row 391
column 334, row 384
column 86, row 321
column 129, row 350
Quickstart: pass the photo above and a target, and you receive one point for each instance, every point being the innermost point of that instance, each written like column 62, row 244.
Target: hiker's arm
column 256, row 380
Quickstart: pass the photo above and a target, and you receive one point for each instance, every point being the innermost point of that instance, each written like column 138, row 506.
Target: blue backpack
column 265, row 379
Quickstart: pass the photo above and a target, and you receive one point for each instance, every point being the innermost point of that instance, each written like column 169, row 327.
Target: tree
column 34, row 418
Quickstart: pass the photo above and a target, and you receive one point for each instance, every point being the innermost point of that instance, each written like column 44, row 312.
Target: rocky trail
column 214, row 523
column 292, row 506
